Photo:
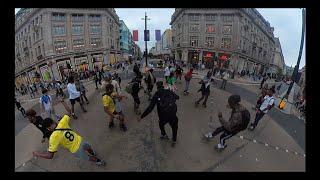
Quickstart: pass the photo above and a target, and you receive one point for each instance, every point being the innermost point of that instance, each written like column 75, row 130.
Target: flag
column 135, row 35
column 158, row 35
column 146, row 35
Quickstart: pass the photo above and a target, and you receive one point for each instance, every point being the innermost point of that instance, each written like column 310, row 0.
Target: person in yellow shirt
column 110, row 108
column 63, row 135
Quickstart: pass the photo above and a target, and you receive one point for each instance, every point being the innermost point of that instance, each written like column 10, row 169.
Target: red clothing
column 189, row 73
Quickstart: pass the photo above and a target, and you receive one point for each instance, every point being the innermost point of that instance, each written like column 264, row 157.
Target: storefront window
column 210, row 28
column 194, row 40
column 226, row 29
column 226, row 43
column 209, row 42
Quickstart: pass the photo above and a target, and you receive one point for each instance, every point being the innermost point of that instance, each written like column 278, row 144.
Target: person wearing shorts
column 74, row 96
column 63, row 135
column 110, row 108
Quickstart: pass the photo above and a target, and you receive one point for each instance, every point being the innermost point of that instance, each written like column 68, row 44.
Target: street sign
column 146, row 35
column 158, row 35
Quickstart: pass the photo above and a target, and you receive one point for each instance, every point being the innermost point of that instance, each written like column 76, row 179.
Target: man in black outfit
column 135, row 93
column 20, row 108
column 167, row 110
column 37, row 121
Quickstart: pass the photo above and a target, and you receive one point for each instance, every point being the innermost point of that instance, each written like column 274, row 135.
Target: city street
column 140, row 149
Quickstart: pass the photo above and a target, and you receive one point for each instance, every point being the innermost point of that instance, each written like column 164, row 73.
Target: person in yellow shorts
column 110, row 108
column 63, row 135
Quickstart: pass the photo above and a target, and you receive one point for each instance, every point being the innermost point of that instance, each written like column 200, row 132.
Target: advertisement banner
column 135, row 35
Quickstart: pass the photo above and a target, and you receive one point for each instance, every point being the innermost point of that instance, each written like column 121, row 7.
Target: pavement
column 140, row 149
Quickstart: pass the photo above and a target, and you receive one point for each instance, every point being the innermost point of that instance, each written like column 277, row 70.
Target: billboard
column 158, row 35
column 146, row 35
column 135, row 35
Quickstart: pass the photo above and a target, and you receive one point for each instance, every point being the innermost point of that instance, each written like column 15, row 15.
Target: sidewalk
column 140, row 149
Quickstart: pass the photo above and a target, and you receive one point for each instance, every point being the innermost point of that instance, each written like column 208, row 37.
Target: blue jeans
column 258, row 117
column 187, row 86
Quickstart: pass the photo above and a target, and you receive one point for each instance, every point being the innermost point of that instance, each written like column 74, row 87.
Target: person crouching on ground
column 231, row 127
column 63, row 135
column 110, row 109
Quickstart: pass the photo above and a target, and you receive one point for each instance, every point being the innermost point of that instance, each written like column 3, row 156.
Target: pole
column 296, row 68
column 145, row 28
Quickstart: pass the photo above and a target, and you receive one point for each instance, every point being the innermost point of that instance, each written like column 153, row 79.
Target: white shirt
column 267, row 101
column 48, row 105
column 72, row 90
column 116, row 86
column 167, row 71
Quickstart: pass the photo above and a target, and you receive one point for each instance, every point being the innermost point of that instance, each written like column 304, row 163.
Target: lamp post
column 294, row 76
column 145, row 30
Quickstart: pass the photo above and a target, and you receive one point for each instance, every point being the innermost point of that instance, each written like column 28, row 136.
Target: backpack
column 128, row 88
column 245, row 115
column 45, row 99
column 167, row 101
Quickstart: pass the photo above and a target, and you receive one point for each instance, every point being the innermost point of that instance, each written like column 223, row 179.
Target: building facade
column 277, row 64
column 238, row 37
column 126, row 42
column 49, row 40
column 166, row 43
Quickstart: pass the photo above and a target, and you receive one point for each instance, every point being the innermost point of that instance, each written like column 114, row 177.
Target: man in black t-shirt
column 20, row 108
column 37, row 121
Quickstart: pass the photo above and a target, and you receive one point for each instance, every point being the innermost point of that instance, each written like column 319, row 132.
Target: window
column 211, row 17
column 29, row 28
column 194, row 28
column 77, row 17
column 41, row 18
column 95, row 29
column 194, row 40
column 58, row 17
column 210, row 28
column 209, row 42
column 41, row 32
column 43, row 49
column 77, row 29
column 39, row 50
column 60, row 46
column 194, row 17
column 94, row 17
column 78, row 43
column 120, row 37
column 226, row 29
column 59, row 30
column 227, row 17
column 95, row 42
column 37, row 20
column 226, row 43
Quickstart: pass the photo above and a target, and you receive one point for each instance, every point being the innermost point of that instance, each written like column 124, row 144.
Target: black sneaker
column 204, row 105
column 123, row 127
column 111, row 124
column 74, row 116
column 173, row 144
column 85, row 111
column 196, row 104
column 101, row 163
column 87, row 102
column 164, row 137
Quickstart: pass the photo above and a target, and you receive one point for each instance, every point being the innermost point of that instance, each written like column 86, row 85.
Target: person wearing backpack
column 150, row 81
column 133, row 88
column 267, row 104
column 63, row 135
column 239, row 120
column 167, row 110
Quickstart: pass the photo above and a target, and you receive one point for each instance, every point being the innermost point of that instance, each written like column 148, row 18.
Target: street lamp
column 145, row 29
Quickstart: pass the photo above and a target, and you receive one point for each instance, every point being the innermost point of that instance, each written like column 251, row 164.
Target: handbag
column 282, row 104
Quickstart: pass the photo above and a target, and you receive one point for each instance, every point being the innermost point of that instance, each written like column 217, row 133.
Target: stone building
column 239, row 37
column 126, row 42
column 277, row 64
column 48, row 40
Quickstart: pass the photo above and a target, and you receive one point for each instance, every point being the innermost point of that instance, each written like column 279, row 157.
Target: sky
column 286, row 22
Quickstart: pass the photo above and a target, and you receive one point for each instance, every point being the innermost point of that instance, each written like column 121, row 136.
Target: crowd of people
column 57, row 130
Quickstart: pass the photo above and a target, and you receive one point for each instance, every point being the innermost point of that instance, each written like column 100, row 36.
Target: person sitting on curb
column 63, row 135
column 239, row 120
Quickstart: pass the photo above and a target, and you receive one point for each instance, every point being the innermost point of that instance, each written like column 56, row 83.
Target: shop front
column 193, row 57
column 112, row 58
column 45, row 73
column 97, row 60
column 63, row 67
column 224, row 60
column 208, row 58
column 81, row 63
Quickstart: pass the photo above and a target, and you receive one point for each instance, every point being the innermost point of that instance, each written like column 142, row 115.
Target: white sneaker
column 208, row 135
